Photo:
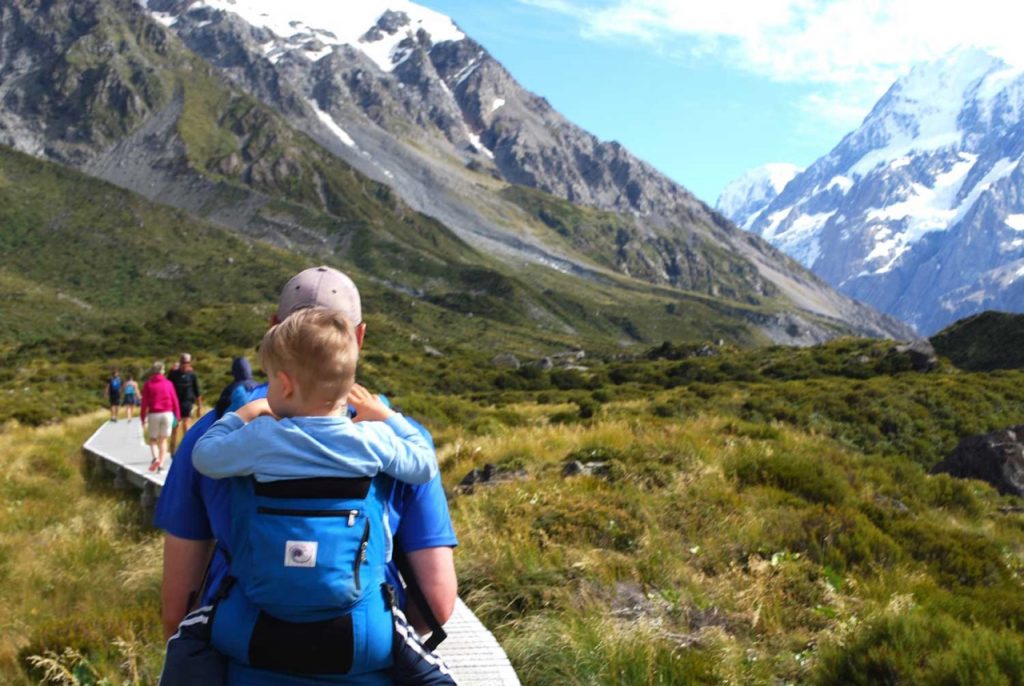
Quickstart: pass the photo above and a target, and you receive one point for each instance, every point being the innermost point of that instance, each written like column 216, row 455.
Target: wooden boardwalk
column 471, row 651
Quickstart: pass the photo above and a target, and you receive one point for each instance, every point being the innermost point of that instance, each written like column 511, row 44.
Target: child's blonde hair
column 316, row 347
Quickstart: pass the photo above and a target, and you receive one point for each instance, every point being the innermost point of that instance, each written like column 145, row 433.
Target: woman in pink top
column 160, row 407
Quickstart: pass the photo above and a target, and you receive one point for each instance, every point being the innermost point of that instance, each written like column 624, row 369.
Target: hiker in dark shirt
column 186, row 385
column 113, row 393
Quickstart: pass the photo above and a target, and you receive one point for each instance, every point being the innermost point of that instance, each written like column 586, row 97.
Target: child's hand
column 368, row 407
column 254, row 409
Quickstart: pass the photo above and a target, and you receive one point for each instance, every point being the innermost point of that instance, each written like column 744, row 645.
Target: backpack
column 115, row 384
column 308, row 551
column 183, row 385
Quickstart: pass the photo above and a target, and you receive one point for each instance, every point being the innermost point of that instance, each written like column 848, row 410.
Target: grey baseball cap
column 320, row 287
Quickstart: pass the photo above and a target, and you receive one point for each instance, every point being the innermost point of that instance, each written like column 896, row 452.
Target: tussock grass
column 719, row 550
column 79, row 574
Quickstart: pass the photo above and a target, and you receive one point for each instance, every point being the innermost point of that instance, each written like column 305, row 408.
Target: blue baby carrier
column 310, row 556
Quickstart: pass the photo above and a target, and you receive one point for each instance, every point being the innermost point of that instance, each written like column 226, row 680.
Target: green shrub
column 919, row 647
column 588, row 408
column 839, row 538
column 813, row 479
column 606, row 525
column 943, row 490
column 666, row 410
column 955, row 556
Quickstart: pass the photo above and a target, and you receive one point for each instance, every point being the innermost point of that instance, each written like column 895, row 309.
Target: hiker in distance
column 132, row 396
column 186, row 385
column 194, row 512
column 112, row 392
column 158, row 412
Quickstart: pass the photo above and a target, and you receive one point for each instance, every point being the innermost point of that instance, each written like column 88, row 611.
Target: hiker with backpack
column 299, row 432
column 131, row 397
column 186, row 385
column 112, row 392
column 194, row 512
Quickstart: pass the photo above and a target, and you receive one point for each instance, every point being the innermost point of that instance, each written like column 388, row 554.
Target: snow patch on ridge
column 332, row 125
column 335, row 23
column 843, row 183
column 478, row 144
column 1015, row 221
column 927, row 208
column 800, row 238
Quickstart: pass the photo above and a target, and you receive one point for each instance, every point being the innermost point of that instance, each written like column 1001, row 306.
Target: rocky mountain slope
column 919, row 212
column 101, row 85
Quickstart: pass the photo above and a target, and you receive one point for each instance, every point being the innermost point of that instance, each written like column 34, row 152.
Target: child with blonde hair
column 309, row 535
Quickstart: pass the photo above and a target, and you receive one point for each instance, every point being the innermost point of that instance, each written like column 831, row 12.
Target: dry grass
column 78, row 571
column 683, row 564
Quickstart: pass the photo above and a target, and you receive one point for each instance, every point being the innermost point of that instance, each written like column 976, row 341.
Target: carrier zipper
column 351, row 514
column 361, row 555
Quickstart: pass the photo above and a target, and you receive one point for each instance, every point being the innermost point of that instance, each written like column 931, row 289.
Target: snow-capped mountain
column 744, row 198
column 919, row 212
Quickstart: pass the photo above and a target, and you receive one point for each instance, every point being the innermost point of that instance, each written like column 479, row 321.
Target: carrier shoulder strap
column 195, row 596
column 413, row 590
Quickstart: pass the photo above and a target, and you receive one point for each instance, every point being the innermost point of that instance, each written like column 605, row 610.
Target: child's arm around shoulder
column 228, row 450
column 406, row 455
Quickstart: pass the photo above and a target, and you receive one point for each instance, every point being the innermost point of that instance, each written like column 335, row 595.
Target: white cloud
column 840, row 107
column 860, row 46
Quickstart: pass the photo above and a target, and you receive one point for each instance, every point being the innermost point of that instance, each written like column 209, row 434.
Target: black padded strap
column 355, row 488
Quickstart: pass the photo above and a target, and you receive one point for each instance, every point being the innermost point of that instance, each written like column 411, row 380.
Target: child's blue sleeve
column 410, row 457
column 226, row 449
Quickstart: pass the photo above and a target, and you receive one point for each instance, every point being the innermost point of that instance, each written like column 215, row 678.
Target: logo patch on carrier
column 300, row 553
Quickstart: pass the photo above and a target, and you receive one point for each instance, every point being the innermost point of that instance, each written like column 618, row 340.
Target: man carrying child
column 193, row 509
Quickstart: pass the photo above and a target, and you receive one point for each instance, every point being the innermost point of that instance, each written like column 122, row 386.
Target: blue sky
column 707, row 91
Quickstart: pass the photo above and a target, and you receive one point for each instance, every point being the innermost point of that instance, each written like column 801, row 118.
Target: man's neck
column 319, row 409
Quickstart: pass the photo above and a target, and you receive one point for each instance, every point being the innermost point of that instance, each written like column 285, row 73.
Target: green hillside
column 983, row 342
column 94, row 275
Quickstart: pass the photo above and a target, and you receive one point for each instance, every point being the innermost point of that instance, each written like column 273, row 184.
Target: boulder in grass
column 996, row 458
column 487, row 475
column 920, row 353
column 577, row 468
column 506, row 361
